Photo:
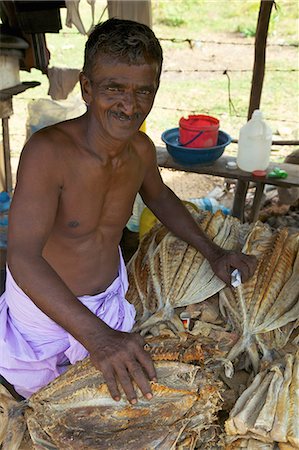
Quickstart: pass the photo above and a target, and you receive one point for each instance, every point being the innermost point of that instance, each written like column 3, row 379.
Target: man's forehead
column 115, row 70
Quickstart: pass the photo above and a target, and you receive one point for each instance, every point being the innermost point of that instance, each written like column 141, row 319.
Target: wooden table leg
column 239, row 199
column 6, row 149
column 257, row 202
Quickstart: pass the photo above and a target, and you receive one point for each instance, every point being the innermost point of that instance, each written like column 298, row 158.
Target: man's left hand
column 227, row 260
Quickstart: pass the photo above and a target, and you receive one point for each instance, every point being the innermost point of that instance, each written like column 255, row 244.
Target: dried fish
column 76, row 410
column 264, row 311
column 250, row 444
column 268, row 410
column 167, row 273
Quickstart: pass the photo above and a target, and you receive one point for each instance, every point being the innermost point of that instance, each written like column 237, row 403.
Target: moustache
column 123, row 116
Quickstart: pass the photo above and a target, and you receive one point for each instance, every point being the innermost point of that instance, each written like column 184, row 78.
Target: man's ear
column 85, row 88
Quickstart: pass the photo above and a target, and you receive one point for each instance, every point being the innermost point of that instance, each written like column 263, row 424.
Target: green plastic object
column 278, row 173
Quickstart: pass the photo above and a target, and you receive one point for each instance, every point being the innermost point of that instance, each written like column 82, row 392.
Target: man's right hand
column 121, row 357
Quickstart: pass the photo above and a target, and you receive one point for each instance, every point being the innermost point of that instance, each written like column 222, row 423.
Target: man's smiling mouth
column 125, row 118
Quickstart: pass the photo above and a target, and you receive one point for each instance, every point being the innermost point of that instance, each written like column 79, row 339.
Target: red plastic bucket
column 198, row 131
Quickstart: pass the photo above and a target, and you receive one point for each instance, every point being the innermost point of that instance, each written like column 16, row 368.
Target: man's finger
column 147, row 363
column 140, row 378
column 109, row 377
column 248, row 267
column 252, row 264
column 126, row 382
column 225, row 274
column 244, row 269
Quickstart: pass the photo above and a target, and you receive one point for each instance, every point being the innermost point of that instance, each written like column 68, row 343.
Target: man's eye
column 144, row 92
column 113, row 89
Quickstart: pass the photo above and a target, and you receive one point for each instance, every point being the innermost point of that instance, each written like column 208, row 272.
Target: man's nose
column 129, row 102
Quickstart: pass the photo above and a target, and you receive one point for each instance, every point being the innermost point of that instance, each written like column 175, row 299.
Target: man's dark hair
column 125, row 40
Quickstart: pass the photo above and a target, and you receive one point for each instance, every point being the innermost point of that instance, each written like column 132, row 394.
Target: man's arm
column 169, row 209
column 32, row 216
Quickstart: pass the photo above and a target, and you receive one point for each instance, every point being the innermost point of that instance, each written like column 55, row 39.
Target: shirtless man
column 76, row 186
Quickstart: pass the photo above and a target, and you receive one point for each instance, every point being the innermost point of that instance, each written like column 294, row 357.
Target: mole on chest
column 73, row 224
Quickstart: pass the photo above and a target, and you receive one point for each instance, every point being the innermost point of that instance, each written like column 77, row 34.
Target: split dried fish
column 268, row 410
column 166, row 273
column 265, row 310
column 76, row 411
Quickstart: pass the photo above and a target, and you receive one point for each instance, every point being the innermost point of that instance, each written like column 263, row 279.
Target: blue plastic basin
column 187, row 155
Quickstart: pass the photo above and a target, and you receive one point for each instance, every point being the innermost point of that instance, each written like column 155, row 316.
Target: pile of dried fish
column 251, row 324
column 265, row 310
column 251, row 328
column 166, row 272
column 268, row 411
column 76, row 410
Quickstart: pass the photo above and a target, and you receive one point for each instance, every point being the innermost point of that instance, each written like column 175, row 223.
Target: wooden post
column 138, row 10
column 5, row 112
column 239, row 199
column 260, row 55
column 256, row 89
column 6, row 148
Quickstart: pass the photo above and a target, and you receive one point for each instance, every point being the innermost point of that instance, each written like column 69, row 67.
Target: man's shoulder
column 56, row 131
column 53, row 138
column 142, row 143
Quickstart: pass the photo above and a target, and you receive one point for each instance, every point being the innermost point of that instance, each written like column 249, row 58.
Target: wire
column 228, row 70
column 230, row 102
column 193, row 42
column 187, row 110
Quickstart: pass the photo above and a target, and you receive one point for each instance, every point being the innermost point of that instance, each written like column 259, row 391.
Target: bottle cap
column 185, row 318
column 278, row 173
column 259, row 173
column 257, row 113
column 231, row 165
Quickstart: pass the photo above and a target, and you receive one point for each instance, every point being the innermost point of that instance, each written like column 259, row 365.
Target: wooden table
column 219, row 169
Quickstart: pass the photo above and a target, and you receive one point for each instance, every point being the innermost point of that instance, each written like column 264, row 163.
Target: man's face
column 120, row 96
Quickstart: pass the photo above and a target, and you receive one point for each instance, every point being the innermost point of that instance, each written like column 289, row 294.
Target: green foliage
column 173, row 13
column 201, row 17
column 171, row 21
column 246, row 31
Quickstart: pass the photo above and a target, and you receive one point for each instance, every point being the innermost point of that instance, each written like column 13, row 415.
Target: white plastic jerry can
column 254, row 147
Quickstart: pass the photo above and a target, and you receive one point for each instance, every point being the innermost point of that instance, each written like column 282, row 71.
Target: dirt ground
column 188, row 185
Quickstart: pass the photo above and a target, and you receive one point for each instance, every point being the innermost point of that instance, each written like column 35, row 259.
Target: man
column 76, row 185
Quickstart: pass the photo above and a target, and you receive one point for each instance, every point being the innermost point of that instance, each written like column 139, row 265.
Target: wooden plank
column 219, row 169
column 275, row 142
column 14, row 90
column 6, row 109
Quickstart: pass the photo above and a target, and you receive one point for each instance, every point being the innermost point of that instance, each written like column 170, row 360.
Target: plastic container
column 143, row 127
column 188, row 156
column 148, row 220
column 138, row 207
column 4, row 208
column 198, row 131
column 3, row 230
column 254, row 147
column 210, row 204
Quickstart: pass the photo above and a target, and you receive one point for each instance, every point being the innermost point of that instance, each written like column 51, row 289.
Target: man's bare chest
column 94, row 198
